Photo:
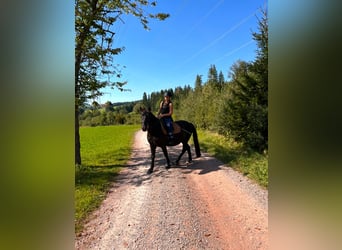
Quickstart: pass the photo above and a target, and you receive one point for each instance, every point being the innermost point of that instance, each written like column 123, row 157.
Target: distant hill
column 123, row 103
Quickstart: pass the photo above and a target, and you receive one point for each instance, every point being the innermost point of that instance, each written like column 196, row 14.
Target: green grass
column 251, row 164
column 104, row 150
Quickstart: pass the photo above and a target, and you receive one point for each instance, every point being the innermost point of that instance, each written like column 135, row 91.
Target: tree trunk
column 78, row 55
column 78, row 160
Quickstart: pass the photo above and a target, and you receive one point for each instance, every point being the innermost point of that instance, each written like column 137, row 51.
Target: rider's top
column 165, row 108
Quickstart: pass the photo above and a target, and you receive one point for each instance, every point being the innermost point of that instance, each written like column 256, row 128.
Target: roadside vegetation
column 105, row 151
column 250, row 163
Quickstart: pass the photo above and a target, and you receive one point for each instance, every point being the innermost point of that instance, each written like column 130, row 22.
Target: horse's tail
column 195, row 138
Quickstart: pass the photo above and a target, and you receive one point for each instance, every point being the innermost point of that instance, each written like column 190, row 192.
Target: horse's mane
column 154, row 118
column 155, row 124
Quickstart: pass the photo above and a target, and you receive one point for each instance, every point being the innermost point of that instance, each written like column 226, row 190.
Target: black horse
column 157, row 138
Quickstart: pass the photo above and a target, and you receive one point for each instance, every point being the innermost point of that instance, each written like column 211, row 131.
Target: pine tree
column 212, row 76
column 245, row 114
column 145, row 101
column 221, row 81
column 198, row 84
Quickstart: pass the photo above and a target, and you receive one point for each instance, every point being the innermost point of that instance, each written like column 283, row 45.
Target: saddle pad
column 176, row 128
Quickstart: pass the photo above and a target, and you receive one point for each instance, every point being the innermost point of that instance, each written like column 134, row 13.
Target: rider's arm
column 171, row 109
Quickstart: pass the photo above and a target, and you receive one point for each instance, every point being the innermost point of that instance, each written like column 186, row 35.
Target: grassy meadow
column 105, row 150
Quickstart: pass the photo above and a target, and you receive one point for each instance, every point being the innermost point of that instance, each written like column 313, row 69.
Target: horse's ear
column 142, row 109
column 149, row 109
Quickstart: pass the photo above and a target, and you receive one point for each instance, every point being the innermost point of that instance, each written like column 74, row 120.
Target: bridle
column 145, row 121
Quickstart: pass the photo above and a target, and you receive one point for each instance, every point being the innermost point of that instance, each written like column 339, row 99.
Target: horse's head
column 145, row 119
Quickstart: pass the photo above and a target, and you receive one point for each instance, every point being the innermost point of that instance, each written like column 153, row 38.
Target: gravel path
column 205, row 205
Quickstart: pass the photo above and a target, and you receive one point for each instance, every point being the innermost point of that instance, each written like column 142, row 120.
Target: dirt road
column 205, row 205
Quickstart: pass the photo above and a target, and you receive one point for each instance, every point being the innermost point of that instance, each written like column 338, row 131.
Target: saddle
column 176, row 128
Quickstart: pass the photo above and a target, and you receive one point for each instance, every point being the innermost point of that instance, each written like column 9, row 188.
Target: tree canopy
column 95, row 67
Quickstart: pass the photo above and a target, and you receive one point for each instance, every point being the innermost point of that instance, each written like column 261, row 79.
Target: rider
column 165, row 113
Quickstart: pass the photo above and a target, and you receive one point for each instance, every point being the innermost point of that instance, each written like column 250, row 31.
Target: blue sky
column 197, row 34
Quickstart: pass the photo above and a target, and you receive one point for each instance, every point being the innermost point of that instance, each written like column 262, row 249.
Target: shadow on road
column 203, row 165
column 136, row 171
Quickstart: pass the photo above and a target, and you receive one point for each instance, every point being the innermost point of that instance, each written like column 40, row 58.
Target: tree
column 260, row 66
column 145, row 100
column 108, row 106
column 221, row 81
column 212, row 74
column 94, row 51
column 136, row 108
column 245, row 114
column 110, row 118
column 95, row 105
column 241, row 112
column 198, row 83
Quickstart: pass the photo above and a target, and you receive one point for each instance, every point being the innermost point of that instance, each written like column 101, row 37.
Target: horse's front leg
column 153, row 155
column 166, row 156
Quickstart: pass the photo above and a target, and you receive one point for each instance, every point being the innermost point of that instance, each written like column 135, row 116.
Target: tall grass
column 104, row 150
column 249, row 163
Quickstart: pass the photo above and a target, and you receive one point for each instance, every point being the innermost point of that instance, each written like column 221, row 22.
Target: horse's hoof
column 149, row 171
column 168, row 166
